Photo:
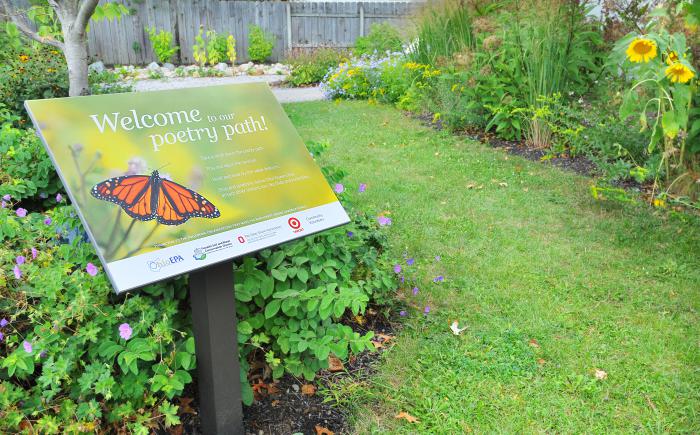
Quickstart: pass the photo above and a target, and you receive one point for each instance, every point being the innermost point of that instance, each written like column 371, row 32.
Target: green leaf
column 267, row 286
column 629, row 103
column 245, row 328
column 279, row 274
column 670, row 124
column 272, row 308
column 303, row 275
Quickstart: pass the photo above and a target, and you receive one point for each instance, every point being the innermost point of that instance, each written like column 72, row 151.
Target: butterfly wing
column 131, row 192
column 176, row 204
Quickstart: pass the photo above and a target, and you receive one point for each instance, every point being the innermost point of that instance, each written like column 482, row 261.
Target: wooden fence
column 294, row 25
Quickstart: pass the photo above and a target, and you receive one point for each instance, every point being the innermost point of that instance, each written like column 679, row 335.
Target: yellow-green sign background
column 86, row 157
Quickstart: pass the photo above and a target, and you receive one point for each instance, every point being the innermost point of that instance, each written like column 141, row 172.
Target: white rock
column 244, row 67
column 97, row 67
column 221, row 67
column 153, row 66
column 168, row 66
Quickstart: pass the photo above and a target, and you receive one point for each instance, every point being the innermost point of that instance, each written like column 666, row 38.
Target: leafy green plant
column 162, row 44
column 311, row 67
column 231, row 49
column 26, row 171
column 444, row 28
column 217, row 47
column 74, row 357
column 199, row 49
column 382, row 38
column 260, row 44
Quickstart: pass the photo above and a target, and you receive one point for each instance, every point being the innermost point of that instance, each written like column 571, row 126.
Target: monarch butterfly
column 145, row 197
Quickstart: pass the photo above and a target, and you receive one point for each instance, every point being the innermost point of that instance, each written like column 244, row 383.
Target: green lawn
column 530, row 255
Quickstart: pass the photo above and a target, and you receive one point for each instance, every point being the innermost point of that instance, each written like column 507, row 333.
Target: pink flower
column 3, row 204
column 415, row 291
column 362, row 187
column 34, row 252
column 383, row 220
column 7, row 197
column 339, row 188
column 18, row 272
column 59, row 197
column 20, row 259
column 427, row 309
column 402, row 313
column 91, row 269
column 47, row 221
column 21, row 212
column 125, row 331
column 27, row 346
column 397, row 268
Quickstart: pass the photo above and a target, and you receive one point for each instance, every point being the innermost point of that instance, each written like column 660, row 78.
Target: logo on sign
column 241, row 239
column 199, row 254
column 295, row 224
column 159, row 263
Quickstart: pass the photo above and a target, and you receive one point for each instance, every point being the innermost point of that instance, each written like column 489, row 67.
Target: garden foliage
column 311, row 67
column 260, row 44
column 382, row 38
column 162, row 43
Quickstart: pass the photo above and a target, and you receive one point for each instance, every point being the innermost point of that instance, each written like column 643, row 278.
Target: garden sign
column 174, row 181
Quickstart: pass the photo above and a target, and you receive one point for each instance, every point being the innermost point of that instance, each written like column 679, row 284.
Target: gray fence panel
column 310, row 24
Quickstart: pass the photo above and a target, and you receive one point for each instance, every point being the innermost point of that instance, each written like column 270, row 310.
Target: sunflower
column 23, row 57
column 679, row 73
column 641, row 50
column 671, row 57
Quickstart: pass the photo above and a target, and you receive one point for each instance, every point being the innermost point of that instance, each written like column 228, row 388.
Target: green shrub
column 382, row 38
column 162, row 43
column 27, row 170
column 217, row 47
column 74, row 357
column 31, row 72
column 260, row 44
column 311, row 67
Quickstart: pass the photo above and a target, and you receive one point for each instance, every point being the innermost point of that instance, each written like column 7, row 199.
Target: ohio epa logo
column 295, row 225
column 159, row 263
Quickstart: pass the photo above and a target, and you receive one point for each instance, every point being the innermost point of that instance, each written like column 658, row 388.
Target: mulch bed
column 285, row 406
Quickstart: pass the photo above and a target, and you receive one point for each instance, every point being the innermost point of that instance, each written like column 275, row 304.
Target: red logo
column 295, row 224
column 241, row 239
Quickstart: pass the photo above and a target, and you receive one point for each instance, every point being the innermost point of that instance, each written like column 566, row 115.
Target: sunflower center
column 642, row 48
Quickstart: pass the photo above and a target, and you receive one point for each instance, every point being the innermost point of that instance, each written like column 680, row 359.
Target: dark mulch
column 281, row 407
column 578, row 164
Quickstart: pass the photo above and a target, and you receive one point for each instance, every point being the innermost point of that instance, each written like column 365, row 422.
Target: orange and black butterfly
column 145, row 197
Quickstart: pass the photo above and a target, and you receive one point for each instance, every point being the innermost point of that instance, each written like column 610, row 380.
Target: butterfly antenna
column 162, row 166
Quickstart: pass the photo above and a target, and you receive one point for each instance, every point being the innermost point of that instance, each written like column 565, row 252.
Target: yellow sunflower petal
column 641, row 50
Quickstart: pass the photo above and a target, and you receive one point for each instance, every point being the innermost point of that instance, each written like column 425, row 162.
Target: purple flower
column 7, row 197
column 438, row 258
column 427, row 309
column 125, row 331
column 397, row 268
column 27, row 346
column 339, row 188
column 21, row 212
column 350, row 234
column 18, row 272
column 42, row 354
column 415, row 291
column 47, row 221
column 34, row 252
column 383, row 220
column 362, row 187
column 439, row 278
column 20, row 259
column 2, row 336
column 3, row 322
column 402, row 313
column 59, row 197
column 3, row 204
column 410, row 261
column 91, row 269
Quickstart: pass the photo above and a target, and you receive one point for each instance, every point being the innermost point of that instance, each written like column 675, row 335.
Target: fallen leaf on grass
column 334, row 364
column 320, row 430
column 456, row 330
column 308, row 389
column 541, row 361
column 601, row 374
column 533, row 342
column 406, row 416
column 382, row 339
column 272, row 389
column 503, row 184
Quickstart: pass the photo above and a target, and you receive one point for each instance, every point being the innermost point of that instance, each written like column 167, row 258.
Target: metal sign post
column 216, row 343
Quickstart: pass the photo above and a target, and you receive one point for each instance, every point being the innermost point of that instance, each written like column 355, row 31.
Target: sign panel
column 172, row 181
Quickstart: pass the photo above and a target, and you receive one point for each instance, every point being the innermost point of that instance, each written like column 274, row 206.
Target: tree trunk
column 76, row 53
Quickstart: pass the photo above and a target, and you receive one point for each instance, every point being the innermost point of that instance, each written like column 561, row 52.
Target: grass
column 530, row 255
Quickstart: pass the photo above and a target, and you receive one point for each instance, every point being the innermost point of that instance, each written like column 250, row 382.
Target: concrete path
column 284, row 95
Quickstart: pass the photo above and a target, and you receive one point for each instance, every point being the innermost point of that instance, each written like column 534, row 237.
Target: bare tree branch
column 23, row 26
column 87, row 8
